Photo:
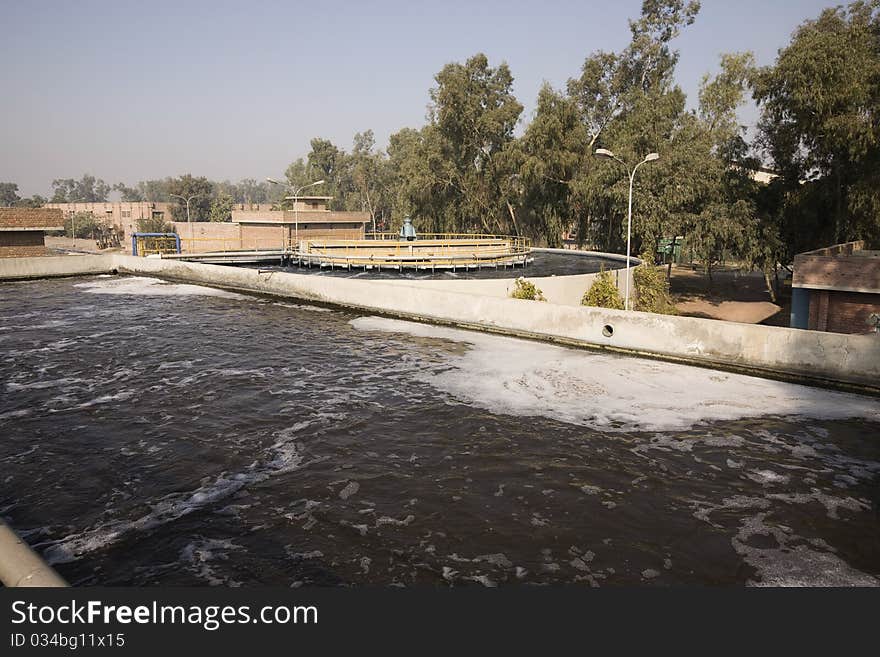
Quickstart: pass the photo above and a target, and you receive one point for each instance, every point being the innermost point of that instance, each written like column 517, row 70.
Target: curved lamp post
column 650, row 157
column 187, row 199
column 295, row 198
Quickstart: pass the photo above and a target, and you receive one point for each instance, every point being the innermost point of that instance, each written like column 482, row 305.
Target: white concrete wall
column 563, row 290
column 810, row 356
column 49, row 266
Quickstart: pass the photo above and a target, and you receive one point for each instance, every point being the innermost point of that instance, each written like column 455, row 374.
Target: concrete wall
column 808, row 356
column 848, row 361
column 50, row 266
column 206, row 236
column 563, row 290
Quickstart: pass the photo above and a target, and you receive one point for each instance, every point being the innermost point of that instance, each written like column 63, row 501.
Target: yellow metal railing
column 156, row 245
column 429, row 250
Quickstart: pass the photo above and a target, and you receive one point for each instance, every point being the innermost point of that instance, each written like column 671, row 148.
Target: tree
column 35, row 201
column 200, row 189
column 155, row 191
column 727, row 223
column 474, row 113
column 553, row 151
column 221, row 208
column 87, row 189
column 9, row 194
column 629, row 104
column 820, row 124
column 128, row 194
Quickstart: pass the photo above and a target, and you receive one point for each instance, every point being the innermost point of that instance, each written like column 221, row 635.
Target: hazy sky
column 129, row 91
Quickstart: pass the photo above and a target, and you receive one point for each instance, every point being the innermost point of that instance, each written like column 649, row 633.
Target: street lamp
column 187, row 199
column 295, row 197
column 650, row 157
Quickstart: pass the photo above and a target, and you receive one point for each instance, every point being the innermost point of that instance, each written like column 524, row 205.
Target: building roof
column 302, row 217
column 844, row 267
column 19, row 219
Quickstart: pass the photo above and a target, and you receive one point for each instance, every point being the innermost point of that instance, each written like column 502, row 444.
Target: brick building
column 272, row 229
column 124, row 215
column 23, row 230
column 836, row 289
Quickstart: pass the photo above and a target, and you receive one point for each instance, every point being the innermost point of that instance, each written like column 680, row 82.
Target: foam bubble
column 145, row 286
column 610, row 392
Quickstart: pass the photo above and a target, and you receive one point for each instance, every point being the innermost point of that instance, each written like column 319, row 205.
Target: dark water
column 152, row 434
column 544, row 264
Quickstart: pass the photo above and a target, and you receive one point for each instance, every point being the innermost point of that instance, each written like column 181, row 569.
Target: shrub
column 651, row 289
column 603, row 293
column 523, row 289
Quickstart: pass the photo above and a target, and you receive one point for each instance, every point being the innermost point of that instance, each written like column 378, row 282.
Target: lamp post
column 295, row 198
column 650, row 157
column 187, row 199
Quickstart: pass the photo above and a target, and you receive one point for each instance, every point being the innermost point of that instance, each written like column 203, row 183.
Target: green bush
column 651, row 289
column 523, row 289
column 603, row 293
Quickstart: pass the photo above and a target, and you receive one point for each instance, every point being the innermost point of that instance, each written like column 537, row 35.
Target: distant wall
column 206, row 236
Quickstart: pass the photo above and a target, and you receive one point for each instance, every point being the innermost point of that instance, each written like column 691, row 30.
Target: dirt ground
column 78, row 244
column 733, row 295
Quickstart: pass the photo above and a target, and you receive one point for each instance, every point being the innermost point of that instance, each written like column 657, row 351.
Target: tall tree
column 129, row 194
column 474, row 113
column 820, row 123
column 554, row 147
column 630, row 104
column 87, row 189
column 9, row 194
column 200, row 191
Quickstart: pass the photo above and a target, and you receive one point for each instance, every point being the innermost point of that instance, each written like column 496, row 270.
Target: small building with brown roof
column 837, row 289
column 257, row 229
column 23, row 230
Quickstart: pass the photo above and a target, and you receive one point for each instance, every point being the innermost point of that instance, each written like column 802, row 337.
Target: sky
column 131, row 91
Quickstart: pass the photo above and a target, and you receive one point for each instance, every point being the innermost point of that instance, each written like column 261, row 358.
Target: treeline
column 466, row 170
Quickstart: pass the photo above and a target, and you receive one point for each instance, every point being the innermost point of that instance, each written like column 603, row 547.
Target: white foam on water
column 145, row 286
column 789, row 564
column 609, row 392
column 281, row 457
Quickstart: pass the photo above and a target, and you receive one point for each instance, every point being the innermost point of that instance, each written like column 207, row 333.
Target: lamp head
column 604, row 152
column 650, row 157
column 273, row 181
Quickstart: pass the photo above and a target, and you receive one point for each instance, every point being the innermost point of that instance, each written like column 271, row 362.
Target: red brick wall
column 23, row 251
column 21, row 244
column 842, row 312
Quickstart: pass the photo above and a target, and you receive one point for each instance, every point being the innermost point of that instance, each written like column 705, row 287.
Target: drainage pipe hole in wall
column 608, row 330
